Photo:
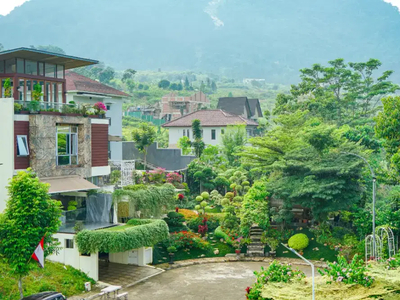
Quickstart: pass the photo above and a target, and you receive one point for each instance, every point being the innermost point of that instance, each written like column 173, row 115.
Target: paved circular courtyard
column 202, row 282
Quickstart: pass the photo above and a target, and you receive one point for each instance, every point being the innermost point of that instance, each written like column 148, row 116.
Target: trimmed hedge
column 299, row 241
column 218, row 233
column 143, row 233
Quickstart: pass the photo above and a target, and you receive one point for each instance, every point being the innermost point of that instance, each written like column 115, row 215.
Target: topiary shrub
column 299, row 241
column 199, row 198
column 175, row 221
column 205, row 195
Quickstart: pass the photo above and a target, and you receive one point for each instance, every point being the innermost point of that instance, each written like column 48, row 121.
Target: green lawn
column 310, row 252
column 54, row 277
column 160, row 254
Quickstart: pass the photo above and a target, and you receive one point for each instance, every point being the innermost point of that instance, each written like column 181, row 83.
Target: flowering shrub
column 276, row 272
column 181, row 196
column 174, row 178
column 99, row 107
column 393, row 263
column 203, row 228
column 188, row 214
column 157, row 175
column 212, row 222
column 187, row 239
column 349, row 273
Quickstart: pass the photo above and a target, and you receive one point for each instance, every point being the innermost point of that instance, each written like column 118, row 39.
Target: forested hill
column 269, row 39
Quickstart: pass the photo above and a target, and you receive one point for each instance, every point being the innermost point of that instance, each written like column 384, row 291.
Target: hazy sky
column 8, row 5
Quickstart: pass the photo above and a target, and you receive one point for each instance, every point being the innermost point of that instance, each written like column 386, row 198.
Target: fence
column 148, row 118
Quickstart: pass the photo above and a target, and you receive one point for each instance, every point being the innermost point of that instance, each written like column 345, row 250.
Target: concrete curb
column 200, row 261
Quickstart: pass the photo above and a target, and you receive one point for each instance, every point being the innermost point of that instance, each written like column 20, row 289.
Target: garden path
column 201, row 282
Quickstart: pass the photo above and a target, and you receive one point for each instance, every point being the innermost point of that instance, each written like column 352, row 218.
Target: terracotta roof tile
column 77, row 82
column 210, row 118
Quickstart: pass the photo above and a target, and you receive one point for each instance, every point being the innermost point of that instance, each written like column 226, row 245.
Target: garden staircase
column 255, row 248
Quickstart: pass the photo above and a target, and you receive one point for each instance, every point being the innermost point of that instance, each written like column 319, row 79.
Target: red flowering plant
column 100, row 108
column 157, row 175
column 174, row 178
column 203, row 228
column 187, row 239
column 181, row 196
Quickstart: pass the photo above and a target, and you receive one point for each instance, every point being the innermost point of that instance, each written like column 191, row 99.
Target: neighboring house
column 67, row 151
column 213, row 123
column 174, row 107
column 241, row 106
column 81, row 89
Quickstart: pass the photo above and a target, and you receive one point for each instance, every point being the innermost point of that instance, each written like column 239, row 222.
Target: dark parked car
column 46, row 296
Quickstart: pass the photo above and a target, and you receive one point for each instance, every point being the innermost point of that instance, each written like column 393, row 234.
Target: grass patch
column 160, row 254
column 118, row 228
column 54, row 277
column 323, row 251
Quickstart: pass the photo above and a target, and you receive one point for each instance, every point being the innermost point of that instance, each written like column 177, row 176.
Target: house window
column 183, row 132
column 22, row 145
column 31, row 67
column 213, row 134
column 67, row 145
column 222, row 131
column 108, row 107
column 69, row 244
column 188, row 133
column 109, row 121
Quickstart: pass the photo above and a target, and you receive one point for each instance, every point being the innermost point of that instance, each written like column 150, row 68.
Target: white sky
column 6, row 6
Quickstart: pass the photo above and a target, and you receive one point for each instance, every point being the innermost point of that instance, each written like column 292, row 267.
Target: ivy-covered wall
column 140, row 233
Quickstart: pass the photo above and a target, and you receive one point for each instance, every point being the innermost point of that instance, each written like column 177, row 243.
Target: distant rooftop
column 210, row 118
column 80, row 83
column 70, row 62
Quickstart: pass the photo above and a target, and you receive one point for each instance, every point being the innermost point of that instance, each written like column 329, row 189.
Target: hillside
column 269, row 39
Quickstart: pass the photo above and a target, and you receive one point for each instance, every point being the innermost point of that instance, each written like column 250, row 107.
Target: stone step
column 255, row 238
column 256, row 230
column 260, row 254
column 261, row 249
column 257, row 244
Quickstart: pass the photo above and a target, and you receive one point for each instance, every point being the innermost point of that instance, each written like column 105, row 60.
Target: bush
column 199, row 198
column 188, row 214
column 218, row 233
column 205, row 195
column 298, row 241
column 135, row 187
column 175, row 221
column 349, row 273
column 186, row 240
column 212, row 222
column 146, row 233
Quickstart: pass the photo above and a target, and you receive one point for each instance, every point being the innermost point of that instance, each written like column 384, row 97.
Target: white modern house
column 81, row 90
column 213, row 124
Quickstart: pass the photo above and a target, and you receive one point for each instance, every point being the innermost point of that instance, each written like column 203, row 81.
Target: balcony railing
column 45, row 106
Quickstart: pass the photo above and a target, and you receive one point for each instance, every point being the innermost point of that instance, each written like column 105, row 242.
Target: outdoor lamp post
column 373, row 201
column 308, row 262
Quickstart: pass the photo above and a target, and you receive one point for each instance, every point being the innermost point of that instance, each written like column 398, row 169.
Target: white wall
column 72, row 257
column 116, row 150
column 175, row 133
column 140, row 257
column 6, row 147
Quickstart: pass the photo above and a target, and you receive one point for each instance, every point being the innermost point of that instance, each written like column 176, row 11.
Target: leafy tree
column 164, row 84
column 206, row 179
column 30, row 214
column 128, row 74
column 185, row 144
column 107, row 75
column 176, row 87
column 233, row 141
column 197, row 143
column 230, row 94
column 144, row 136
column 339, row 91
column 214, row 86
column 187, row 84
column 202, row 87
column 130, row 84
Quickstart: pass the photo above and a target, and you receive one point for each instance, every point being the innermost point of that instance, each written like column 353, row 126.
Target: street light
column 373, row 201
column 307, row 261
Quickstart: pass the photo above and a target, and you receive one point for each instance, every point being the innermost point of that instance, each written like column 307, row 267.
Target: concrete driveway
column 217, row 281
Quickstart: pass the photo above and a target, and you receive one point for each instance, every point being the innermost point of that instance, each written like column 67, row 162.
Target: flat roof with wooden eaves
column 70, row 62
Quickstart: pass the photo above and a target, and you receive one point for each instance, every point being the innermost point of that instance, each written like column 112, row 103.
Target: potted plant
column 70, row 110
column 171, row 252
column 237, row 245
column 273, row 244
column 7, row 88
column 34, row 106
column 17, row 108
column 100, row 109
column 50, row 111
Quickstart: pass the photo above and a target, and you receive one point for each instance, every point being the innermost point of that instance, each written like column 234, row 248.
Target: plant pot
column 54, row 113
column 171, row 258
column 24, row 112
column 92, row 116
column 237, row 251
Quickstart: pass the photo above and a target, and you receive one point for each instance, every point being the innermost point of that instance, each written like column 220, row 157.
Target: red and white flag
column 38, row 255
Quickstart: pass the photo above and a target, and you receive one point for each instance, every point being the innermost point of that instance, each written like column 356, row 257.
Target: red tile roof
column 210, row 118
column 77, row 82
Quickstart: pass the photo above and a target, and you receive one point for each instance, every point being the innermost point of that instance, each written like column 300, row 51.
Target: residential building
column 241, row 106
column 174, row 107
column 83, row 90
column 213, row 123
column 66, row 150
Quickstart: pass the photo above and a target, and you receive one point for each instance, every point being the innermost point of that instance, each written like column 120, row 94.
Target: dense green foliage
column 143, row 136
column 30, row 215
column 55, row 277
column 299, row 241
column 151, row 202
column 128, row 238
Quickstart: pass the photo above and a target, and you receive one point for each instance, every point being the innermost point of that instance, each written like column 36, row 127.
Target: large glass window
column 29, row 89
column 67, row 145
column 213, row 134
column 50, row 70
column 21, row 90
column 60, row 93
column 20, row 65
column 10, row 65
column 2, row 69
column 48, row 92
column 41, row 69
column 31, row 67
column 60, row 71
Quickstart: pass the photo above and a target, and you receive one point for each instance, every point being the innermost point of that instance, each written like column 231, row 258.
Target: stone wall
column 42, row 132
